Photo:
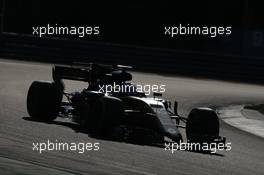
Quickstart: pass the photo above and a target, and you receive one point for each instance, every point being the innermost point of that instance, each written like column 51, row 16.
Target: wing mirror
column 155, row 94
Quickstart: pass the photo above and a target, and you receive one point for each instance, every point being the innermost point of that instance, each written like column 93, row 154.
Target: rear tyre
column 202, row 126
column 44, row 100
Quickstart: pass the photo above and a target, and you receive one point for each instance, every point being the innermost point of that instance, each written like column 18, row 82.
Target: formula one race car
column 125, row 114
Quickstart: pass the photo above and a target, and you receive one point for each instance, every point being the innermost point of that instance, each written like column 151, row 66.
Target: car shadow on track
column 78, row 129
column 74, row 126
column 208, row 152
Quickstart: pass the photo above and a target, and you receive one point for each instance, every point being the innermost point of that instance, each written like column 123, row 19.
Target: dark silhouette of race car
column 124, row 114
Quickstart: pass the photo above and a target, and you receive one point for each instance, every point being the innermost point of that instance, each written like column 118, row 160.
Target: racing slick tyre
column 44, row 100
column 202, row 126
column 106, row 115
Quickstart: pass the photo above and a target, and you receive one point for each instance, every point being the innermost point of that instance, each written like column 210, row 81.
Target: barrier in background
column 230, row 67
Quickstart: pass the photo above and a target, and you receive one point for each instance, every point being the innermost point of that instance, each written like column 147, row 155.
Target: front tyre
column 202, row 126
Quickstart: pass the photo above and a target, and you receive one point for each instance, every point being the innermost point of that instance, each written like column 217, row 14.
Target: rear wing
column 88, row 72
column 70, row 73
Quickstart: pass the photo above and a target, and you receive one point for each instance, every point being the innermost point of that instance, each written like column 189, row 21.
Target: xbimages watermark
column 131, row 88
column 186, row 146
column 211, row 31
column 80, row 147
column 56, row 30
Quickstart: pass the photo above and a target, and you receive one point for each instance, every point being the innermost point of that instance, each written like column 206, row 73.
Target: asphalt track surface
column 17, row 133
